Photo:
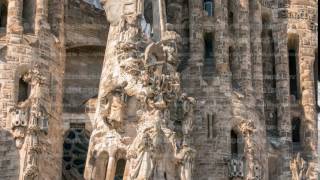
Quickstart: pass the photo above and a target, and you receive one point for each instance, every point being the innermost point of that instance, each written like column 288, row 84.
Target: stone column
column 256, row 54
column 244, row 48
column 282, row 77
column 196, row 47
column 14, row 23
column 111, row 170
column 41, row 18
column 308, row 102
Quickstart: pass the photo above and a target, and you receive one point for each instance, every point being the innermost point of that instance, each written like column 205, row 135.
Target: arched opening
column 3, row 15
column 28, row 15
column 75, row 148
column 121, row 164
column 24, row 90
column 293, row 50
column 234, row 144
column 236, row 163
column 208, row 6
column 296, row 133
column 208, row 65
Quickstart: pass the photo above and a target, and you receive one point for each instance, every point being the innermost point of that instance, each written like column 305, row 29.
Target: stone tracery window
column 75, row 149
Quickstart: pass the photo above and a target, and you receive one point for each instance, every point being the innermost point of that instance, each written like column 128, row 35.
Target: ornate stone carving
column 29, row 120
column 146, row 70
column 236, row 168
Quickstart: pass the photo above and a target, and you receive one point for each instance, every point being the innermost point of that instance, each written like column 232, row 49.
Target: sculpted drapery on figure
column 141, row 67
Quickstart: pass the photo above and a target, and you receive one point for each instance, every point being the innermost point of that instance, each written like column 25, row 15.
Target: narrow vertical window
column 208, row 6
column 28, row 15
column 24, row 90
column 293, row 51
column 234, row 144
column 208, row 64
column 121, row 165
column 3, row 15
column 208, row 125
column 296, row 123
column 230, row 13
column 293, row 73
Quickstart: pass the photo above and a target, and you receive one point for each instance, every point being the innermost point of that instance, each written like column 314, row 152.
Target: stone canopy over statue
column 141, row 66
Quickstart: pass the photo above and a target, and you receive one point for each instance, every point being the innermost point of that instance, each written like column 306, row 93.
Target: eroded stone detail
column 144, row 69
column 29, row 120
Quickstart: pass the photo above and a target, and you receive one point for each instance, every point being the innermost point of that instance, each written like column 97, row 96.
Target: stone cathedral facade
column 159, row 90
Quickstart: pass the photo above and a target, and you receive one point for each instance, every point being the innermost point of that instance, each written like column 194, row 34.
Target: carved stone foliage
column 144, row 69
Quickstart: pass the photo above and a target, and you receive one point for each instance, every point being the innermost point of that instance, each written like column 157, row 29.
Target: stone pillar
column 14, row 22
column 111, row 170
column 244, row 48
column 221, row 54
column 196, row 47
column 41, row 18
column 282, row 74
column 308, row 102
column 256, row 54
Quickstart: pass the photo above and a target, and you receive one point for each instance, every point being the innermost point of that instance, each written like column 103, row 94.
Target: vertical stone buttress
column 196, row 43
column 282, row 84
column 41, row 18
column 256, row 53
column 14, row 22
column 302, row 26
column 244, row 48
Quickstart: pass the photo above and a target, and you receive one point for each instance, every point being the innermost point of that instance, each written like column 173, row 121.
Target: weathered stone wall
column 85, row 24
column 244, row 87
column 22, row 52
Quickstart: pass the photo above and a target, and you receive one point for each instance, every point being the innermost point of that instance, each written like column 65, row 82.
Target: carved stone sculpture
column 299, row 168
column 29, row 120
column 140, row 67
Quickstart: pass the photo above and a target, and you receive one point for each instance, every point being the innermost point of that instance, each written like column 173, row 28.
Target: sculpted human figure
column 185, row 159
column 142, row 166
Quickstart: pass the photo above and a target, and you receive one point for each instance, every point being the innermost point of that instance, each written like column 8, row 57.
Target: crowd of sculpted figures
column 144, row 68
